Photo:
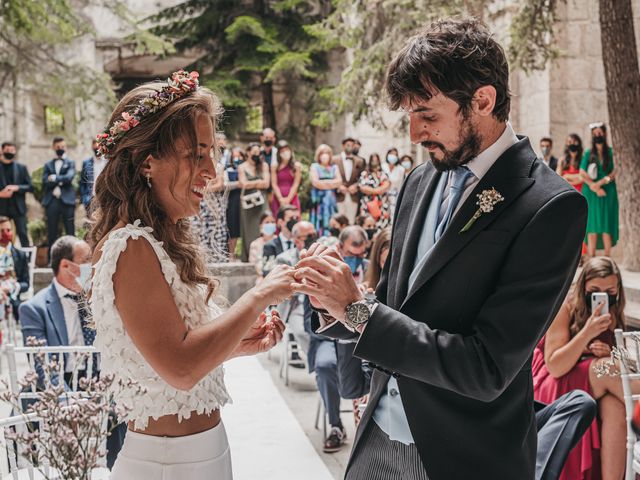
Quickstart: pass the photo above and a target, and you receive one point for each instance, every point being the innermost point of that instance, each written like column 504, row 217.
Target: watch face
column 358, row 313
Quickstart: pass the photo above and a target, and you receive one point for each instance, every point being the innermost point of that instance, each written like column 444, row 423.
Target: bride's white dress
column 195, row 457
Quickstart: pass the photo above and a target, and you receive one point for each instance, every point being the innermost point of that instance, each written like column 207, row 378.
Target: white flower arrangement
column 487, row 200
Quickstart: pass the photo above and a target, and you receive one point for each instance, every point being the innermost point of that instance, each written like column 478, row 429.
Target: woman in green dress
column 598, row 171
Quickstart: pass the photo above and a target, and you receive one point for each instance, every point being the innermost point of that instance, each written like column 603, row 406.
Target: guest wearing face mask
column 374, row 186
column 59, row 198
column 286, row 219
column 268, row 150
column 357, row 146
column 232, row 186
column 20, row 263
column 407, row 163
column 546, row 145
column 325, row 182
column 337, row 223
column 353, row 248
column 569, row 164
column 91, row 168
column 286, row 175
column 267, row 233
column 599, row 174
column 350, row 166
column 254, row 179
column 15, row 182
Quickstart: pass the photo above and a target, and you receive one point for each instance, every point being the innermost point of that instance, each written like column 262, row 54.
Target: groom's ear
column 484, row 100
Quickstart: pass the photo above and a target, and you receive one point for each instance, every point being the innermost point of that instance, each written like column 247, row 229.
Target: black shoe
column 335, row 440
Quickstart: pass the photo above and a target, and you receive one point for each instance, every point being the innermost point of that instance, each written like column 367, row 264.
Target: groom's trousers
column 380, row 458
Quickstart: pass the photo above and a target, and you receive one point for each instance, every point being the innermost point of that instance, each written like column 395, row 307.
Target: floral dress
column 211, row 226
column 383, row 216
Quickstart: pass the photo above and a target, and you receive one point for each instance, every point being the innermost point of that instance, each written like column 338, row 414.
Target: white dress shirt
column 287, row 243
column 71, row 320
column 348, row 167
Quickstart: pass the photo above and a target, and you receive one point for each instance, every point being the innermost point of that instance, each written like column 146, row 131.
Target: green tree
column 250, row 48
column 533, row 47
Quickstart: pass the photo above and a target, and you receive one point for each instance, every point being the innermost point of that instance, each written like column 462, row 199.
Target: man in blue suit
column 91, row 168
column 59, row 199
column 57, row 315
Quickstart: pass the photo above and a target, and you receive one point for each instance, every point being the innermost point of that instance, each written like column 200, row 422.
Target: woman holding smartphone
column 577, row 342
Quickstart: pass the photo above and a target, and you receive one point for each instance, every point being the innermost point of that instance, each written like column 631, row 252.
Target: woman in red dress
column 285, row 179
column 577, row 342
column 569, row 165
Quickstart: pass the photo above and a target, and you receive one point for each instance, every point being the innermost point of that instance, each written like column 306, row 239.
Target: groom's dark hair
column 454, row 57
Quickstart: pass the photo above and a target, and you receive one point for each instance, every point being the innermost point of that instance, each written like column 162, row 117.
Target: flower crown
column 178, row 85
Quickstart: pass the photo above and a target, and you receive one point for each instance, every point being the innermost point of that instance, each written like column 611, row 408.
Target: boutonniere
column 487, row 200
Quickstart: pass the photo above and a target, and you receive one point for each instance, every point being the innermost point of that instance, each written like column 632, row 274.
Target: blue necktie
column 460, row 177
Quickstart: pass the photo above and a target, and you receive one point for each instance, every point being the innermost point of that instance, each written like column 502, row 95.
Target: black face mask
column 310, row 240
column 573, row 147
column 268, row 143
column 9, row 156
column 355, row 150
column 291, row 223
column 334, row 232
column 371, row 232
column 60, row 152
column 598, row 139
column 255, row 158
column 96, row 152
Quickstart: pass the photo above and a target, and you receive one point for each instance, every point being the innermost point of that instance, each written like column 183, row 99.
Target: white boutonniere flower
column 487, row 200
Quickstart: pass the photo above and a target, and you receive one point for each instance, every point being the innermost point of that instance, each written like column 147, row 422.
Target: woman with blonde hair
column 569, row 358
column 161, row 337
column 325, row 180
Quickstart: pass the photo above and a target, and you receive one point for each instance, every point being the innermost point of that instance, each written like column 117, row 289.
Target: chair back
column 628, row 344
column 11, row 460
column 31, row 255
column 73, row 359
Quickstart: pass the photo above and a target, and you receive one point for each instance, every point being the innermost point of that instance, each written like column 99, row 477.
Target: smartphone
column 597, row 298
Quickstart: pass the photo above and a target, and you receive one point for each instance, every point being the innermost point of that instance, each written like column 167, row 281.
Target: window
column 53, row 120
column 254, row 119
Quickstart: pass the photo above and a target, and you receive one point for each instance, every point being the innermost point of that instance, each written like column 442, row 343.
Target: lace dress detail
column 121, row 358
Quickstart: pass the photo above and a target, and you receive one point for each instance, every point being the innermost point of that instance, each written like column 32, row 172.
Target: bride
column 159, row 333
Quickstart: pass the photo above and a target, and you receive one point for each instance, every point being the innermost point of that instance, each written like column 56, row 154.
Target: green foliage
column 249, row 45
column 532, row 36
column 36, row 181
column 37, row 231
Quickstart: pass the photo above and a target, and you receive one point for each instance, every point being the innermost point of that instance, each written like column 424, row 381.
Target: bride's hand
column 277, row 285
column 262, row 336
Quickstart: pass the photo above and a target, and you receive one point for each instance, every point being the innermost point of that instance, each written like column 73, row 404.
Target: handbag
column 374, row 208
column 592, row 171
column 253, row 199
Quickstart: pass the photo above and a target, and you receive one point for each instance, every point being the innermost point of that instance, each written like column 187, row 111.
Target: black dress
column 233, row 204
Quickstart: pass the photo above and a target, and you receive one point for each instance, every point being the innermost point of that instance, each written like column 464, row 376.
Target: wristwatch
column 358, row 313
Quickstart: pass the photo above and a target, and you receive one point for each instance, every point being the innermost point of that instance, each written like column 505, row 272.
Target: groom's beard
column 469, row 149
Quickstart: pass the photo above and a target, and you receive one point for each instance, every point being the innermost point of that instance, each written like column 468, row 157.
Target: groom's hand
column 329, row 280
column 318, row 249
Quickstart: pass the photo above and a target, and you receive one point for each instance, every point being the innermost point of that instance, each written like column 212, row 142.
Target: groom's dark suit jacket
column 460, row 341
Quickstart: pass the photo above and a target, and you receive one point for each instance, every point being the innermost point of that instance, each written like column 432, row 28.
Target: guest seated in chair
column 569, row 357
column 58, row 314
column 20, row 263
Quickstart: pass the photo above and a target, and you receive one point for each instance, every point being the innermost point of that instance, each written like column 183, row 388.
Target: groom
column 466, row 293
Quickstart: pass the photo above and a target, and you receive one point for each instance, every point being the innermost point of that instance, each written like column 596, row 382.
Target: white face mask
column 286, row 155
column 407, row 165
column 84, row 279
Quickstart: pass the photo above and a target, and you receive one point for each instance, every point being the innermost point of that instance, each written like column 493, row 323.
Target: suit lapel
column 423, row 195
column 14, row 173
column 56, row 315
column 509, row 175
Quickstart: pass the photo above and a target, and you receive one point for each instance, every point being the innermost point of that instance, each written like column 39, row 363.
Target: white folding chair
column 290, row 347
column 628, row 343
column 16, row 464
column 31, row 255
column 64, row 356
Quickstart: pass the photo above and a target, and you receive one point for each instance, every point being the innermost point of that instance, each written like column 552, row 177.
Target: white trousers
column 349, row 209
column 202, row 456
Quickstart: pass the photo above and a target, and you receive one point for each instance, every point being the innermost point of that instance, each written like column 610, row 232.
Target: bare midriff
column 169, row 426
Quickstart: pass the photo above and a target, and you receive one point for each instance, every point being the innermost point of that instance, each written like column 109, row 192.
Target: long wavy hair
column 122, row 193
column 597, row 267
column 381, row 243
column 606, row 154
column 566, row 159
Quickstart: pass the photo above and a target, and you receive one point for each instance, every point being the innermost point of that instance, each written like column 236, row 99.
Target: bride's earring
column 148, row 180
